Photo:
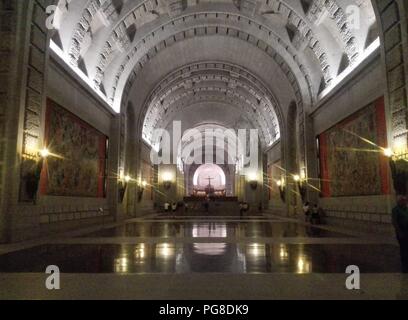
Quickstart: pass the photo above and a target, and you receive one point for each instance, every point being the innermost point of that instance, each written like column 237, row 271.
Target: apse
column 209, row 174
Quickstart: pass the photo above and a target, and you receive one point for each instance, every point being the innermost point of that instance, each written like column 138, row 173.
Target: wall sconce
column 33, row 176
column 142, row 186
column 253, row 184
column 253, row 180
column 399, row 170
column 299, row 180
column 282, row 189
column 122, row 186
column 167, row 178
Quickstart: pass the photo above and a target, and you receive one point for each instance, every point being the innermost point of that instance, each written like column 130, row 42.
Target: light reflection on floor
column 179, row 247
column 169, row 257
column 215, row 230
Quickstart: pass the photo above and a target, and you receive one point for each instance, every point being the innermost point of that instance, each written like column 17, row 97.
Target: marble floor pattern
column 163, row 257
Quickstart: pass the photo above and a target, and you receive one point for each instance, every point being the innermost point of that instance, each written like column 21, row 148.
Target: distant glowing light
column 252, row 176
column 167, row 176
column 122, row 265
column 140, row 253
column 296, row 177
column 44, row 153
column 127, row 178
column 165, row 250
column 256, row 250
column 388, row 152
column 279, row 183
column 283, row 252
column 303, row 266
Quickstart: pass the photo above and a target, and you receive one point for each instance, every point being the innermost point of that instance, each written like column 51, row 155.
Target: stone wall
column 23, row 76
column 393, row 15
column 363, row 87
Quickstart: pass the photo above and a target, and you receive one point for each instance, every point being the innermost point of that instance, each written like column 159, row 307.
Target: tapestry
column 76, row 166
column 351, row 163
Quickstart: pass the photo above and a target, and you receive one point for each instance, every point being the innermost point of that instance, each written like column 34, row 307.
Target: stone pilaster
column 22, row 95
column 394, row 40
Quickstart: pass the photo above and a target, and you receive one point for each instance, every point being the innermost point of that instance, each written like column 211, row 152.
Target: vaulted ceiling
column 309, row 43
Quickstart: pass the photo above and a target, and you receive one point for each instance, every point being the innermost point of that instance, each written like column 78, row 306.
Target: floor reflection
column 251, row 229
column 167, row 257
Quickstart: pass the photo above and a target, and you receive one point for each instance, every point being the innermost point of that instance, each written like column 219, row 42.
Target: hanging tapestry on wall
column 77, row 165
column 349, row 164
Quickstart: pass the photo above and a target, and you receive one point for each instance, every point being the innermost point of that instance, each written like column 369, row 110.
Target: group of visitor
column 312, row 213
column 170, row 207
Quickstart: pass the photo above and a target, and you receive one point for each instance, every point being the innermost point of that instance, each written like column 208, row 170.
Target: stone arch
column 254, row 83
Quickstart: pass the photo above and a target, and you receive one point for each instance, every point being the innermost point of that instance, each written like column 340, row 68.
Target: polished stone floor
column 197, row 247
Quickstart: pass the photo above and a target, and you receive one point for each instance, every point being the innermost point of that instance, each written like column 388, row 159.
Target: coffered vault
column 312, row 41
column 225, row 83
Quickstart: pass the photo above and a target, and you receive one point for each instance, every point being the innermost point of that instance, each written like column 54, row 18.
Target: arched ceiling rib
column 110, row 39
column 213, row 82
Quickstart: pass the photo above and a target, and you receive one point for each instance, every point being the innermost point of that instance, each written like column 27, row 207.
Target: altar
column 209, row 190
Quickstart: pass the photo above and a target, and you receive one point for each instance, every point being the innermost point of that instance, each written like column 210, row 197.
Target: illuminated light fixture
column 57, row 50
column 253, row 180
column 252, row 176
column 123, row 183
column 165, row 250
column 121, row 175
column 44, row 153
column 283, row 252
column 303, row 266
column 167, row 177
column 122, row 265
column 336, row 81
column 144, row 184
column 256, row 250
column 296, row 177
column 282, row 189
column 303, row 174
column 388, row 152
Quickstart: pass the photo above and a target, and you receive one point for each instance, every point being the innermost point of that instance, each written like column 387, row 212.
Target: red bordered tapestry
column 349, row 166
column 76, row 166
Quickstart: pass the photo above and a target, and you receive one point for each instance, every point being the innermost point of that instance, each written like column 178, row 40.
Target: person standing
column 306, row 211
column 400, row 222
column 315, row 219
column 166, row 207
